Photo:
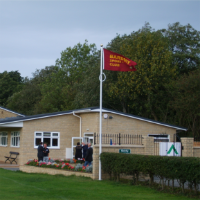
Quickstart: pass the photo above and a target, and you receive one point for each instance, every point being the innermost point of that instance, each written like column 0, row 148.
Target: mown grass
column 19, row 185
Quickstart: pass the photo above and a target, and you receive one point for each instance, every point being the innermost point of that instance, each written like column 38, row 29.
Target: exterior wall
column 187, row 144
column 123, row 125
column 196, row 152
column 4, row 150
column 67, row 125
column 189, row 150
column 90, row 122
column 5, row 113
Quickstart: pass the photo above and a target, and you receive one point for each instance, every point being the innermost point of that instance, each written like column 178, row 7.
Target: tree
column 26, row 100
column 184, row 42
column 143, row 90
column 64, row 90
column 10, row 82
column 185, row 101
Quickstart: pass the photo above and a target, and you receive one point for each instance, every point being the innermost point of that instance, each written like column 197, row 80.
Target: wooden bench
column 11, row 158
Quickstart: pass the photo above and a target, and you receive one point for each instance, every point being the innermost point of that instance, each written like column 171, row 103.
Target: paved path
column 13, row 167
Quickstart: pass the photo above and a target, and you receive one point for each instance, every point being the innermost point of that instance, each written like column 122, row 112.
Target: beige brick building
column 61, row 130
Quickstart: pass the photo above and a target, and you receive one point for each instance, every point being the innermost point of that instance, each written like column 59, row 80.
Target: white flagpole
column 100, row 111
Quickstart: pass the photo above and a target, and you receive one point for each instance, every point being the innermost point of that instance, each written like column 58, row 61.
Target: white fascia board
column 146, row 120
column 82, row 111
column 23, row 120
column 14, row 125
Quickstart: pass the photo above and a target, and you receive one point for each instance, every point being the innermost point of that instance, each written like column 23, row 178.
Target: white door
column 74, row 143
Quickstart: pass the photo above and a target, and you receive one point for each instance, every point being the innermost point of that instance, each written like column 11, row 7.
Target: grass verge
column 20, row 185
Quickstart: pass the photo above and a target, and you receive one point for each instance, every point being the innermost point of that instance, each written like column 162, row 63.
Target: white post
column 100, row 111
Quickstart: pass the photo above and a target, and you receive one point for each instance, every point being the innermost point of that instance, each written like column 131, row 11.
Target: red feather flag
column 116, row 62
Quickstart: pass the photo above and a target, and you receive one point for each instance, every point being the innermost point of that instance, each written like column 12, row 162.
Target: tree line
column 165, row 87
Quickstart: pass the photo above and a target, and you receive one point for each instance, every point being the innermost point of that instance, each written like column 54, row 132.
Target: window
column 3, row 138
column 15, row 139
column 51, row 138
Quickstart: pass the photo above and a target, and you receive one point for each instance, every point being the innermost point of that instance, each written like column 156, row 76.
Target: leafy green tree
column 185, row 101
column 184, row 42
column 28, row 97
column 72, row 87
column 10, row 82
column 142, row 90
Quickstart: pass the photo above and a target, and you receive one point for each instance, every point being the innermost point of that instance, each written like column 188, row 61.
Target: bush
column 170, row 168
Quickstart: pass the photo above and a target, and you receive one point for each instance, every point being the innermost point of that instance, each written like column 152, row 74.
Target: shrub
column 170, row 168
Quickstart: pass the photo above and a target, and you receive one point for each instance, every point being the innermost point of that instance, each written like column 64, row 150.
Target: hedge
column 169, row 168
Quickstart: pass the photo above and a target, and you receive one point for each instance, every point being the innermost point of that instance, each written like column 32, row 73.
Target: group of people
column 87, row 152
column 43, row 152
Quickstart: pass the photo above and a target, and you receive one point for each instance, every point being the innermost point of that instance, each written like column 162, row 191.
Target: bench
column 11, row 158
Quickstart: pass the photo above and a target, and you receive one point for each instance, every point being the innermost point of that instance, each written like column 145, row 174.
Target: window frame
column 51, row 138
column 13, row 136
column 6, row 136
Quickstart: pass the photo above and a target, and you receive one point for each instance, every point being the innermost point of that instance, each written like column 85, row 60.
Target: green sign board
column 124, row 151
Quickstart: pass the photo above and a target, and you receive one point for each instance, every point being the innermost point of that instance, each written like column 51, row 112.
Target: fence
column 197, row 141
column 118, row 139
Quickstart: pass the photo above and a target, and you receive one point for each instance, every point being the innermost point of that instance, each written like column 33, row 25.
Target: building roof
column 11, row 111
column 85, row 110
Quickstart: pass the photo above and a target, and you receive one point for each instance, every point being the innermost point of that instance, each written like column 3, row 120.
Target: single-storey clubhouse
column 61, row 130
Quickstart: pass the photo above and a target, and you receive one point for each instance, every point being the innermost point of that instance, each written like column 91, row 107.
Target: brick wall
column 196, row 152
column 31, row 169
column 187, row 144
column 67, row 125
column 5, row 113
column 123, row 125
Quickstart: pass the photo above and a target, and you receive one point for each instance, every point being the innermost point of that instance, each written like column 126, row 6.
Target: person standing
column 46, row 153
column 85, row 148
column 78, row 153
column 40, row 152
column 88, row 157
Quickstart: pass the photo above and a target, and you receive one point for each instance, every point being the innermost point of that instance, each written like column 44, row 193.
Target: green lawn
column 19, row 185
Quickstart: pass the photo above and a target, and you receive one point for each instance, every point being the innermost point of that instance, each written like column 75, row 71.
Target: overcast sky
column 33, row 33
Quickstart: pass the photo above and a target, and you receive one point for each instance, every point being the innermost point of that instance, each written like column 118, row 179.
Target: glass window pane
column 55, row 134
column 4, row 141
column 17, row 141
column 37, row 141
column 47, row 140
column 38, row 134
column 47, row 134
column 54, row 142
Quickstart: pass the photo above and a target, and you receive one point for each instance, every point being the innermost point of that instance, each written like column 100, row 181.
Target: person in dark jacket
column 85, row 148
column 40, row 152
column 46, row 153
column 88, row 157
column 78, row 153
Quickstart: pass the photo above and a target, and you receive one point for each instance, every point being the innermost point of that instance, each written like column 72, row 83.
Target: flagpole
column 100, row 111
